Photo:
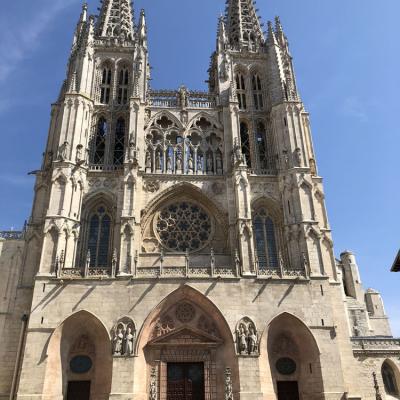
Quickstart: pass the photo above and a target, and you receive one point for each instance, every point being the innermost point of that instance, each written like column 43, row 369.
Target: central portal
column 185, row 381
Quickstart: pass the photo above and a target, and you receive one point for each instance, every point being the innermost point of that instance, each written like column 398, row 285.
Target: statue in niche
column 158, row 161
column 237, row 153
column 297, row 154
column 242, row 339
column 132, row 152
column 179, row 163
column 169, row 164
column 209, row 163
column 129, row 339
column 118, row 342
column 63, row 151
column 285, row 158
column 183, row 97
column 190, row 163
column 79, row 154
column 247, row 338
column 199, row 164
column 252, row 340
column 148, row 161
column 219, row 163
column 313, row 167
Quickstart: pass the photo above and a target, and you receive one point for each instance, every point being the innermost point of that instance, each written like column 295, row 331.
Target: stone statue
column 297, row 154
column 209, row 163
column 129, row 339
column 158, row 161
column 178, row 163
column 242, row 340
column 63, row 151
column 237, row 153
column 219, row 162
column 79, row 154
column 118, row 342
column 199, row 164
column 169, row 164
column 148, row 161
column 190, row 163
column 313, row 167
column 252, row 340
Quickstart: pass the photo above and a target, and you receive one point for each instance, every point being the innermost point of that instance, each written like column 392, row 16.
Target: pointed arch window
column 241, row 91
column 99, row 152
column 99, row 237
column 105, row 87
column 261, row 141
column 257, row 92
column 265, row 240
column 389, row 379
column 123, row 85
column 119, row 145
column 245, row 142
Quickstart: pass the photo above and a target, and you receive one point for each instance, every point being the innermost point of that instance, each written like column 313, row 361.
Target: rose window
column 183, row 226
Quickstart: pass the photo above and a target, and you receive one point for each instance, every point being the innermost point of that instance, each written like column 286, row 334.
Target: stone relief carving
column 99, row 183
column 151, row 186
column 153, row 384
column 246, row 337
column 267, row 189
column 185, row 312
column 217, row 188
column 228, row 384
column 124, row 338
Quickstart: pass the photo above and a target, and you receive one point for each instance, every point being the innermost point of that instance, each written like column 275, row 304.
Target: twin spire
column 243, row 24
column 116, row 20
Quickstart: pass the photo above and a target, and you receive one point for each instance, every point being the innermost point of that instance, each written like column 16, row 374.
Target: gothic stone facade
column 174, row 227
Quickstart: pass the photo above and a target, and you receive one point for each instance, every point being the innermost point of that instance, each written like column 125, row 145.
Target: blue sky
column 346, row 55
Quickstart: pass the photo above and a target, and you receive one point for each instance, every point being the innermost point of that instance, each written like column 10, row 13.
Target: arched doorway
column 184, row 350
column 294, row 360
column 79, row 363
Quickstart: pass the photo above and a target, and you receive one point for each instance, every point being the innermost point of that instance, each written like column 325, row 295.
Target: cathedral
column 179, row 246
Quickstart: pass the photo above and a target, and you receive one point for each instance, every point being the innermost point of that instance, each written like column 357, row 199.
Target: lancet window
column 265, row 240
column 99, row 151
column 105, row 88
column 123, row 86
column 389, row 379
column 258, row 100
column 119, row 144
column 241, row 91
column 171, row 151
column 99, row 238
column 245, row 142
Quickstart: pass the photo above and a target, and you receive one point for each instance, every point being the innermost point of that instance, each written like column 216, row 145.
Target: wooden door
column 185, row 381
column 288, row 390
column 79, row 390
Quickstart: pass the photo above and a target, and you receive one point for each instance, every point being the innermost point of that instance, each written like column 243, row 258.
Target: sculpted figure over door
column 247, row 338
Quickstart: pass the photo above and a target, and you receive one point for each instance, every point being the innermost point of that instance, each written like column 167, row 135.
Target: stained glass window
column 265, row 240
column 119, row 145
column 183, row 226
column 99, row 238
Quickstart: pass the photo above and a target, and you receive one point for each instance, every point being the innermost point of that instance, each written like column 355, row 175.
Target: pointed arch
column 391, row 377
column 288, row 340
column 163, row 327
column 87, row 330
column 169, row 115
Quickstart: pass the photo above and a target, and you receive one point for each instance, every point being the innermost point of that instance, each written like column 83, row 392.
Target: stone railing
column 12, row 235
column 184, row 99
column 259, row 171
column 376, row 345
column 105, row 168
column 282, row 271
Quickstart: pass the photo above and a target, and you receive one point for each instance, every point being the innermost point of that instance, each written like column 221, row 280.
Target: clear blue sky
column 346, row 55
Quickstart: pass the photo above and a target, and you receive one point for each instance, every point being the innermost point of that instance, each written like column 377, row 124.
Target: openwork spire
column 243, row 25
column 116, row 19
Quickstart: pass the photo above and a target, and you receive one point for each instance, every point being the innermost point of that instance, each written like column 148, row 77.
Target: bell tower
column 268, row 140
